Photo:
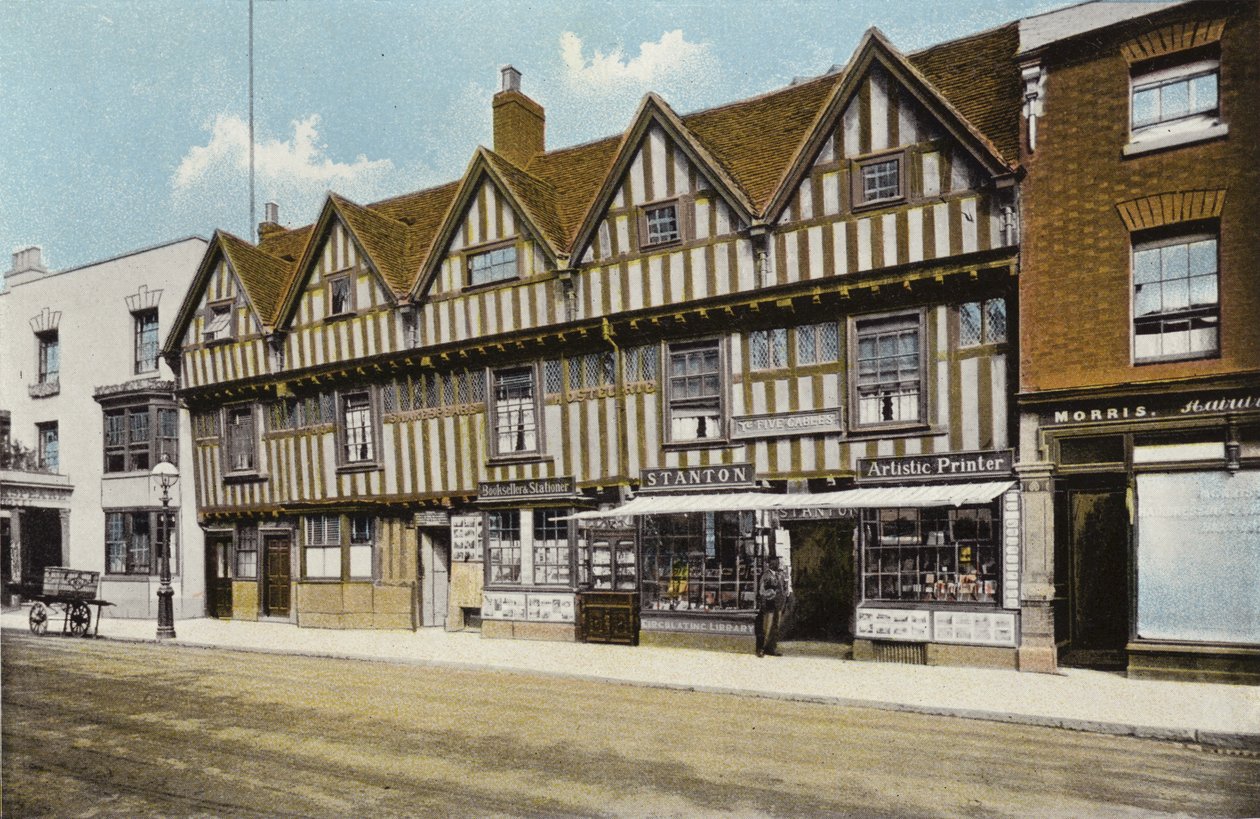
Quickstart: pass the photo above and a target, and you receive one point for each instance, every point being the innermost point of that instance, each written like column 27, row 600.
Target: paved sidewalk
column 1223, row 716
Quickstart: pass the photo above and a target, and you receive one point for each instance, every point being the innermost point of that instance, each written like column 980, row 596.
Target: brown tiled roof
column 423, row 211
column 263, row 276
column 537, row 197
column 756, row 139
column 575, row 174
column 383, row 239
column 979, row 77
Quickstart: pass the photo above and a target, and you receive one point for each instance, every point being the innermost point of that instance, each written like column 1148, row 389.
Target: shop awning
column 869, row 497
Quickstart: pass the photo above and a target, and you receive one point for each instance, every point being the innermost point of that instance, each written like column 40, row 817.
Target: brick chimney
column 29, row 260
column 519, row 122
column 271, row 221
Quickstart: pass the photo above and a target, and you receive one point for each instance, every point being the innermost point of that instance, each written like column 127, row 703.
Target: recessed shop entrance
column 41, row 544
column 822, row 581
column 1094, row 572
column 435, row 576
column 219, row 575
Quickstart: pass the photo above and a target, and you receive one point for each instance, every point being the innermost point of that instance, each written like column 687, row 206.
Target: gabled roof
column 875, row 49
column 262, row 278
column 575, row 174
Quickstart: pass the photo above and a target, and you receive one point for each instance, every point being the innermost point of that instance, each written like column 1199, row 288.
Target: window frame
column 346, row 276
column 855, row 326
column 1193, row 126
column 212, row 312
column 492, row 413
column 857, row 187
column 986, row 336
column 141, row 346
column 157, row 535
column 819, row 355
column 48, row 366
column 486, row 250
column 247, row 540
column 775, row 340
column 682, row 347
column 228, row 440
column 137, row 455
column 45, row 443
column 369, row 404
column 513, row 548
column 884, row 556
column 1189, row 235
column 647, row 209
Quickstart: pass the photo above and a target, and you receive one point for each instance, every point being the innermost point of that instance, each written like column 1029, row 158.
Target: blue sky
column 124, row 123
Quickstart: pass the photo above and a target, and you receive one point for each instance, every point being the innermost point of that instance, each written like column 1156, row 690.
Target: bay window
column 134, row 540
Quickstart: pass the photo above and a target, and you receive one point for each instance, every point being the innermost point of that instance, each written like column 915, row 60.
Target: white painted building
column 83, row 388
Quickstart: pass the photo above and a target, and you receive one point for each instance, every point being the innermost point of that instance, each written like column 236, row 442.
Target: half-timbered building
column 585, row 393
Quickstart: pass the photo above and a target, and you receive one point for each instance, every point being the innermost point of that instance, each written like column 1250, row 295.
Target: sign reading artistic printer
column 965, row 465
column 725, row 476
column 812, row 422
column 526, row 489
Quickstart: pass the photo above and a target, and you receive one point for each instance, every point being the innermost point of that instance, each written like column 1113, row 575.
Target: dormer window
column 494, row 265
column 878, row 180
column 218, row 322
column 340, row 295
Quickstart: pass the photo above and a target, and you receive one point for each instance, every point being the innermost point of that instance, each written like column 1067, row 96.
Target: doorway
column 219, row 576
column 435, row 575
column 40, row 537
column 822, row 581
column 1098, row 570
column 277, row 576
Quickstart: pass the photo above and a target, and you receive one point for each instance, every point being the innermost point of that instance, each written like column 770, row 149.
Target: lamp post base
column 166, row 613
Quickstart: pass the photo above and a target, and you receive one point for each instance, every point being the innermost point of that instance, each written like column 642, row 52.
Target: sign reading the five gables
column 775, row 425
column 726, row 476
column 995, row 463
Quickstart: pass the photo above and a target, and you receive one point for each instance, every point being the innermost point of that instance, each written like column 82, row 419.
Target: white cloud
column 661, row 66
column 296, row 171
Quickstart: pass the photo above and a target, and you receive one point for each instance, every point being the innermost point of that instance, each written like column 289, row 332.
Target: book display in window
column 698, row 562
column 931, row 555
column 612, row 563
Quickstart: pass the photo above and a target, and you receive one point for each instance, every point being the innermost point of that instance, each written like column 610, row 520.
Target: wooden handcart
column 70, row 591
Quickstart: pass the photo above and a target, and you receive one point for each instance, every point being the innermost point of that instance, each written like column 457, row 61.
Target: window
column 551, row 547
column 361, row 540
column 134, row 442
column 878, row 180
column 241, row 441
column 411, row 327
column 641, row 363
column 818, row 343
column 592, row 370
column 503, row 546
column 1175, row 103
column 982, row 322
column 247, row 553
column 889, row 376
column 134, row 541
column 695, row 562
column 322, row 552
column 553, row 380
column 357, row 429
column 661, row 225
column 168, row 435
column 340, row 295
column 49, row 357
column 218, row 322
column 492, row 266
column 1176, row 309
column 146, row 341
column 695, row 392
column 942, row 554
column 514, row 419
column 768, row 349
column 49, row 447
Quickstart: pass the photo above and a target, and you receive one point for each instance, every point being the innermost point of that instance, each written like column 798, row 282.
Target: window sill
column 1159, row 143
column 876, row 204
column 244, row 477
column 475, row 288
column 129, row 473
column 711, row 443
column 893, row 431
column 335, row 317
column 650, row 248
column 217, row 342
column 523, row 458
column 1174, row 359
column 366, row 466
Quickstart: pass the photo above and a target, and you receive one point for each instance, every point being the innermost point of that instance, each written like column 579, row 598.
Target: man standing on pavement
column 771, row 598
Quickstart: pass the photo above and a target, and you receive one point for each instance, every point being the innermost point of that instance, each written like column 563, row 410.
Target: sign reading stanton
column 988, row 463
column 693, row 477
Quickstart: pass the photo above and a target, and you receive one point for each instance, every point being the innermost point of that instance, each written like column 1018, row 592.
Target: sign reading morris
column 696, row 477
column 982, row 464
column 811, row 422
column 1173, row 406
column 532, row 488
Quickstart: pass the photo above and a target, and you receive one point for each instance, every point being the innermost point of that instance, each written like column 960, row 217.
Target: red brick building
column 1139, row 388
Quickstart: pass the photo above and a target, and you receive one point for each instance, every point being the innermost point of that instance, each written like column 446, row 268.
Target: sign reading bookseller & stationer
column 724, row 476
column 526, row 489
column 968, row 465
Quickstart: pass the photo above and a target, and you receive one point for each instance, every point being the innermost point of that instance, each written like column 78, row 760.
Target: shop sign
column 696, row 625
column 811, row 422
column 693, row 477
column 525, row 489
column 980, row 464
column 814, row 513
column 1158, row 407
column 433, row 518
column 466, row 538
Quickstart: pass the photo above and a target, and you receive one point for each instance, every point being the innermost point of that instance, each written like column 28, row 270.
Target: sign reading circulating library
column 696, row 477
column 696, row 625
column 526, row 489
column 465, row 538
column 1176, row 406
column 983, row 464
column 810, row 422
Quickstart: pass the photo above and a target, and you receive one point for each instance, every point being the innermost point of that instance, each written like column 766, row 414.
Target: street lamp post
column 166, row 474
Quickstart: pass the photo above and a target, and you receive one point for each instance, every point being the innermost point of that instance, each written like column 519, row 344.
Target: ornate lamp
column 166, row 474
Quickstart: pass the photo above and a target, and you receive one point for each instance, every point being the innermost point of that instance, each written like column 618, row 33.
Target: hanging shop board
column 939, row 466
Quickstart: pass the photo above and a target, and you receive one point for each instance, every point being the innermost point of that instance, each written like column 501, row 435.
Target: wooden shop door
column 1098, row 591
column 219, row 576
column 276, row 588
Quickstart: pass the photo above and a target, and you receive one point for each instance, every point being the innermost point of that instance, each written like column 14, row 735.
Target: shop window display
column 703, row 561
column 936, row 555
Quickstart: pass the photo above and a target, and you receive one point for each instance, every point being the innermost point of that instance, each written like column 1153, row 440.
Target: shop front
column 1157, row 533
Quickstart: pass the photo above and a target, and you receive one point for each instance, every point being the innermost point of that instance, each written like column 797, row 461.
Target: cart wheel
column 80, row 619
column 39, row 618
